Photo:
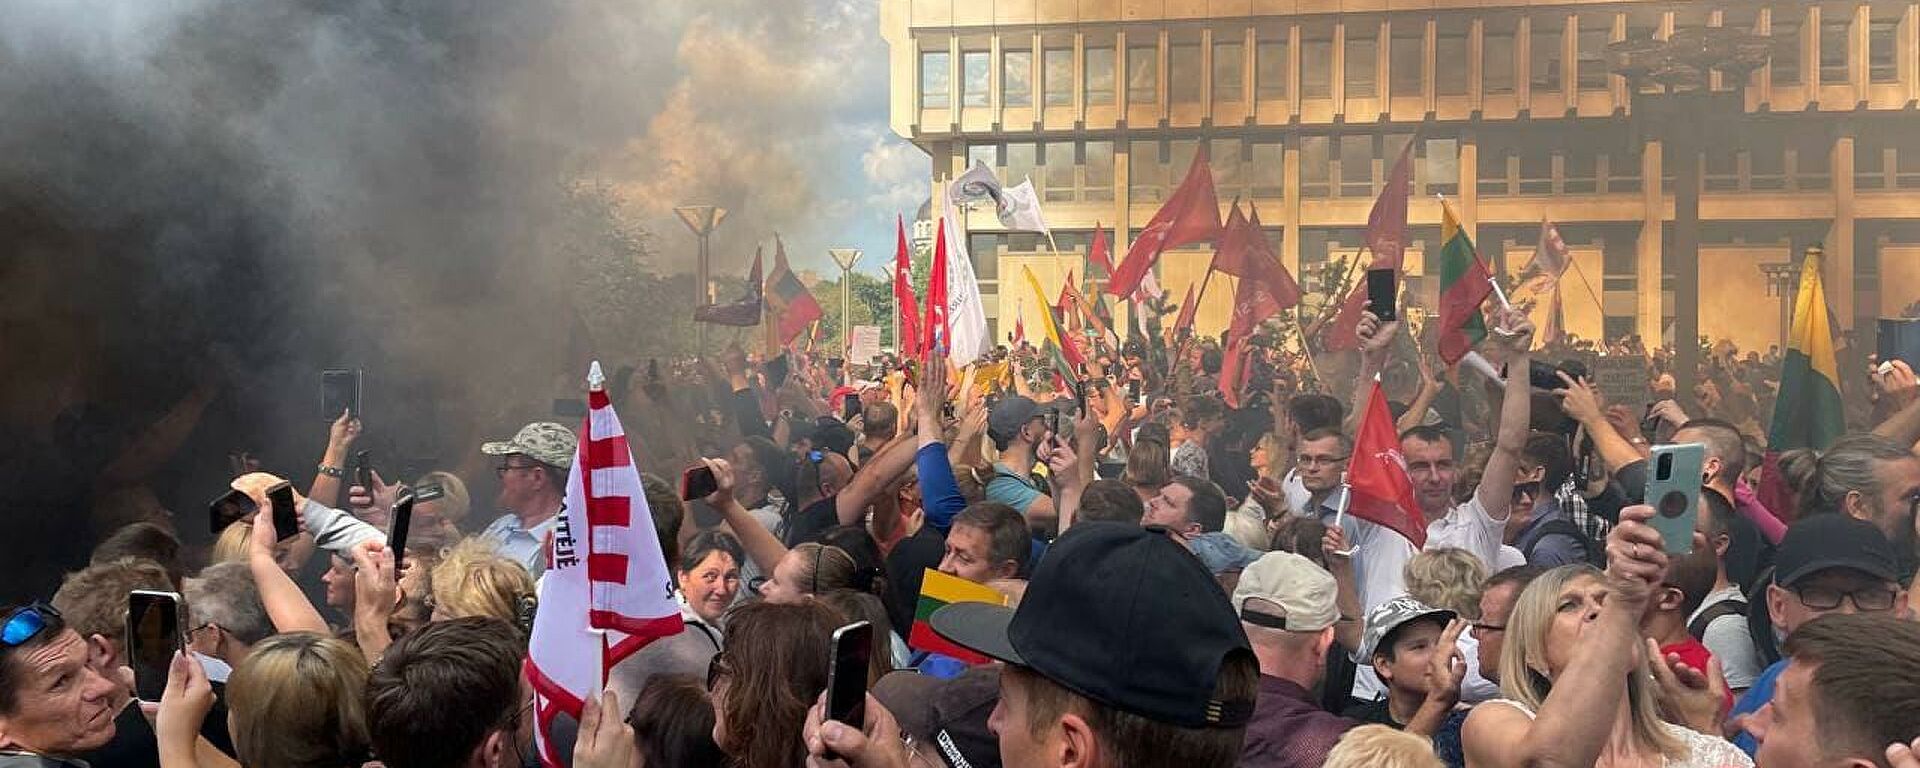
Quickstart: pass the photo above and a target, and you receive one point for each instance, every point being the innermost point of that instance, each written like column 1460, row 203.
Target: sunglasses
column 26, row 623
column 1528, row 490
column 716, row 669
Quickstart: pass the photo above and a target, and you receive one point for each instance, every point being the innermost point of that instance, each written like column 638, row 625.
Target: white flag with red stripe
column 607, row 591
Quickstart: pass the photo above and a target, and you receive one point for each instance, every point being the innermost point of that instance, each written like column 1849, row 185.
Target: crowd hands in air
column 1185, row 583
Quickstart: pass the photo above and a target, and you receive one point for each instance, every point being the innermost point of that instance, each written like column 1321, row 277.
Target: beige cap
column 1306, row 595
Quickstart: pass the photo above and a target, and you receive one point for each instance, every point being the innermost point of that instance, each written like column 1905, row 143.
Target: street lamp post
column 846, row 257
column 1680, row 114
column 898, row 348
column 1780, row 283
column 701, row 219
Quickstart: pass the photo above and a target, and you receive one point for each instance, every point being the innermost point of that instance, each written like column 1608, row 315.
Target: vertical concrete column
column 1839, row 277
column 1648, row 283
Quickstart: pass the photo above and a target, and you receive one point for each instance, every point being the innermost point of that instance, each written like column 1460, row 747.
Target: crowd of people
column 1182, row 579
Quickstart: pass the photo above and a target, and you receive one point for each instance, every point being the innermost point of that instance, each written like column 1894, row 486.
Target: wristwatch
column 333, row 472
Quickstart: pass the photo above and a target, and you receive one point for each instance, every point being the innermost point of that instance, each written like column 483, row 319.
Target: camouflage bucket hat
column 542, row 441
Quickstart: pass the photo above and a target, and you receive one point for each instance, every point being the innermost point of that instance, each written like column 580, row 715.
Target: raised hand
column 1693, row 697
column 606, row 740
column 1636, row 557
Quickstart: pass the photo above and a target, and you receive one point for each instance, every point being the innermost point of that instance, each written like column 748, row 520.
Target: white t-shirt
column 1474, row 688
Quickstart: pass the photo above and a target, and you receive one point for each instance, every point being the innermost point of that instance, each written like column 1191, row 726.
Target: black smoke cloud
column 230, row 195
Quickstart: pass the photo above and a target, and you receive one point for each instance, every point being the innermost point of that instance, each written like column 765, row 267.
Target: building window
column 1356, row 166
column 1620, row 163
column 935, row 80
column 1229, row 173
column 1146, row 172
column 989, row 154
column 1443, row 166
column 1407, row 57
column 1905, row 165
column 1722, row 168
column 1536, row 171
column 1099, row 76
column 1742, row 20
column 1811, row 162
column 1496, row 55
column 1766, row 162
column 1492, row 170
column 1595, row 31
column 1229, row 66
column 1316, row 61
column 1786, row 44
column 1268, row 171
column 1099, row 171
column 1870, row 163
column 1315, row 161
column 1580, row 169
column 1143, row 74
column 1363, row 40
column 1270, row 68
column 1179, row 158
column 1883, row 45
column 1833, row 48
column 1183, row 73
column 1450, row 52
column 1058, row 77
column 977, row 69
column 1016, row 78
column 1023, row 160
column 1060, row 165
column 1543, row 68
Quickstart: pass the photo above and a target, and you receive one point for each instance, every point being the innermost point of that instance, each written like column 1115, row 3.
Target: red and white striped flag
column 607, row 592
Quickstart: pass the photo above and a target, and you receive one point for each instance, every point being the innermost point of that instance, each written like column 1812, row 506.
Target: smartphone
column 1543, row 376
column 397, row 530
column 1899, row 339
column 286, row 521
column 153, row 637
column 1382, row 290
column 1649, row 424
column 340, row 391
column 363, row 469
column 429, row 492
column 847, row 675
column 849, row 406
column 1673, row 488
column 697, row 482
column 231, row 507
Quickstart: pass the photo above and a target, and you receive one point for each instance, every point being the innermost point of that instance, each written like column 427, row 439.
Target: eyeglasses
column 1307, row 460
column 1828, row 598
column 26, row 622
column 503, row 469
column 716, row 669
column 199, row 629
column 754, row 584
column 1480, row 630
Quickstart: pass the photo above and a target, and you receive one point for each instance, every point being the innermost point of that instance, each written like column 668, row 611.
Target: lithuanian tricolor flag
column 938, row 590
column 1808, row 413
column 1464, row 286
column 1065, row 358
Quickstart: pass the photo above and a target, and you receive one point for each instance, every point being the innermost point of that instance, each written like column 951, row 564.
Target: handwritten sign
column 865, row 344
column 1623, row 380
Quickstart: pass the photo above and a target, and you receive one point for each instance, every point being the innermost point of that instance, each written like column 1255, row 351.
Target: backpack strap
column 1713, row 613
column 1564, row 528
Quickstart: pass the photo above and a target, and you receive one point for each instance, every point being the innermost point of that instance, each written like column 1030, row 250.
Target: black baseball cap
column 1122, row 615
column 950, row 715
column 1822, row 542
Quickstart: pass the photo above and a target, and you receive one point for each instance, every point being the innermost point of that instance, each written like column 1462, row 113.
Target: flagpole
column 1583, row 281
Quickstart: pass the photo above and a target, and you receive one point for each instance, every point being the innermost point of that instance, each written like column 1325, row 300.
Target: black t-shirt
column 1374, row 712
column 807, row 524
column 907, row 565
column 134, row 744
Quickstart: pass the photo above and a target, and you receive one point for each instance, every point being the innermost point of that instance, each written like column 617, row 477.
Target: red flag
column 1341, row 335
column 1019, row 329
column 1234, row 370
column 1380, row 491
column 1233, row 252
column 1188, row 308
column 1097, row 255
column 1267, row 264
column 1065, row 301
column 788, row 301
column 909, row 341
column 935, row 335
column 1191, row 215
column 1387, row 222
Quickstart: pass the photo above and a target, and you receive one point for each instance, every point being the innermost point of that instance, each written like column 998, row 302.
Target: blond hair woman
column 1573, row 655
column 474, row 579
column 295, row 703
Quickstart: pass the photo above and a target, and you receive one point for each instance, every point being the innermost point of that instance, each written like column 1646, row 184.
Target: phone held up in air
column 1673, row 488
column 153, row 637
column 697, row 482
column 231, row 507
column 847, row 675
column 340, row 390
column 849, row 406
column 286, row 520
column 1382, row 287
column 397, row 530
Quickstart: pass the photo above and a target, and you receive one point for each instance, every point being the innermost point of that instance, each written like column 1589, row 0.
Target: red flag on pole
column 1097, row 255
column 909, row 341
column 1380, row 491
column 1267, row 264
column 934, row 337
column 1234, row 370
column 1234, row 250
column 1188, row 308
column 1191, row 215
column 1387, row 222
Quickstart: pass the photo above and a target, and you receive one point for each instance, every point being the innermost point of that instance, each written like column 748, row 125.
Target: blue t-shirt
column 1011, row 489
column 1755, row 698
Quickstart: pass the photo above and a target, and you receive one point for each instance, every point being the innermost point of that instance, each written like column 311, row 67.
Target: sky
column 778, row 112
